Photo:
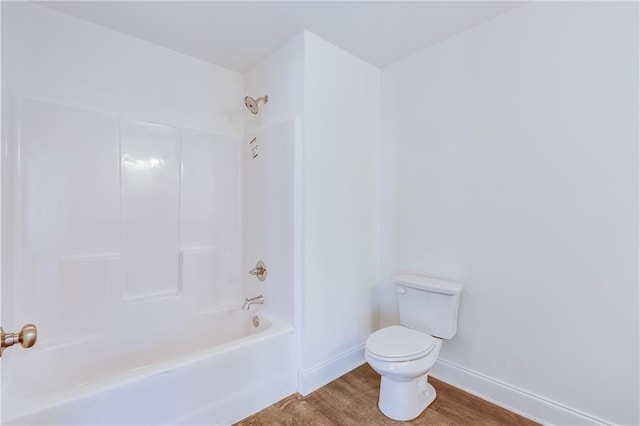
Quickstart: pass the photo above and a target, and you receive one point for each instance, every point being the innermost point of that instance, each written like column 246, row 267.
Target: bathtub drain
column 256, row 321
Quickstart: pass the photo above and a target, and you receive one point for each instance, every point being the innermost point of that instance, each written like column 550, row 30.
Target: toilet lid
column 398, row 342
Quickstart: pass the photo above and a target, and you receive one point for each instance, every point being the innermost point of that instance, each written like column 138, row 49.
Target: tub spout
column 258, row 300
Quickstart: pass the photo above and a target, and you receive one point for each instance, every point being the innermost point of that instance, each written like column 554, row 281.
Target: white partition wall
column 335, row 99
column 341, row 222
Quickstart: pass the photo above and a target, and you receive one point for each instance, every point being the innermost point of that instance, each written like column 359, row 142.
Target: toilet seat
column 397, row 343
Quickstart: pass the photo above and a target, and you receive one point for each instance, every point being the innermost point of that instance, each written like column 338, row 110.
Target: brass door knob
column 27, row 337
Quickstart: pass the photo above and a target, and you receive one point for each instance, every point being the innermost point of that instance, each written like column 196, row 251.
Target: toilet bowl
column 404, row 354
column 403, row 357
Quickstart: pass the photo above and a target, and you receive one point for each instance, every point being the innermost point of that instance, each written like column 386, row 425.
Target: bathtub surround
column 522, row 144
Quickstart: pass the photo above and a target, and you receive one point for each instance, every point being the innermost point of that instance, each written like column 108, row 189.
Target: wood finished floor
column 353, row 400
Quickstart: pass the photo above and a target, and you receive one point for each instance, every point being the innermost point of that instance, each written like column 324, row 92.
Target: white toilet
column 403, row 354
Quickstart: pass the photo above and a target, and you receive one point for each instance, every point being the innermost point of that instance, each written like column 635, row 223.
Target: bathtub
column 220, row 368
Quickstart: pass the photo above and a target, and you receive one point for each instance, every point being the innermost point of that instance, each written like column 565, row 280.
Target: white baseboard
column 527, row 404
column 310, row 380
column 519, row 401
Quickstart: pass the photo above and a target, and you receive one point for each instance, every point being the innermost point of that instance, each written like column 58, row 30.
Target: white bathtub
column 218, row 369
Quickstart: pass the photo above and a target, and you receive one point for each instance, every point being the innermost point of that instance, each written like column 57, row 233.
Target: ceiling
column 237, row 35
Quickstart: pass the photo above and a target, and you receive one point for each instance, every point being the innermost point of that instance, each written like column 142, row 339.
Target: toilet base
column 405, row 400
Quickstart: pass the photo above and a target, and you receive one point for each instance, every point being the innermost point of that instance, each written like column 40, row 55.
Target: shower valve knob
column 260, row 271
column 27, row 337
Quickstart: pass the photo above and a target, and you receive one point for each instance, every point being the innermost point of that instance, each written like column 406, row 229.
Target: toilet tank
column 429, row 305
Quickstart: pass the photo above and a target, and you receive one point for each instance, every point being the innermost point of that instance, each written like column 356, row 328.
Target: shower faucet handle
column 27, row 337
column 260, row 271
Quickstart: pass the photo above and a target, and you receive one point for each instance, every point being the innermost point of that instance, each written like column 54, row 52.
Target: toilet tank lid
column 431, row 284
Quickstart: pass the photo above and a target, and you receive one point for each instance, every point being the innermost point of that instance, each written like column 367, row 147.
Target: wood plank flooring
column 353, row 400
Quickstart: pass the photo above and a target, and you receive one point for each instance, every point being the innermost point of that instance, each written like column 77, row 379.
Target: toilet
column 404, row 354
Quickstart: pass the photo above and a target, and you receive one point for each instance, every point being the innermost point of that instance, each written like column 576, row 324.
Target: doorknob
column 27, row 337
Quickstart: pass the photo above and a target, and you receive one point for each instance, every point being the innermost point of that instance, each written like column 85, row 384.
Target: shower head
column 252, row 104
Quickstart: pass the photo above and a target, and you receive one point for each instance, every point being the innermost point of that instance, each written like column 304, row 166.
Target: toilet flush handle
column 401, row 290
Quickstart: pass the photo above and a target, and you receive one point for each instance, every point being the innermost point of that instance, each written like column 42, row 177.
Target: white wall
column 54, row 57
column 281, row 76
column 510, row 163
column 341, row 221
